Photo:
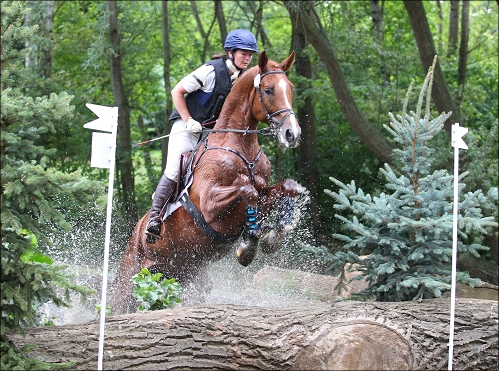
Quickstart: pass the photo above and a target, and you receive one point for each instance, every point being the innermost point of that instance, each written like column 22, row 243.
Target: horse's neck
column 236, row 114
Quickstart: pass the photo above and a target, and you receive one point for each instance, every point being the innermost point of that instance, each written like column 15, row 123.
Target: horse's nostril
column 290, row 136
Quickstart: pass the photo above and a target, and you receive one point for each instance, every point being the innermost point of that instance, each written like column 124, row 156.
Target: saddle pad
column 175, row 205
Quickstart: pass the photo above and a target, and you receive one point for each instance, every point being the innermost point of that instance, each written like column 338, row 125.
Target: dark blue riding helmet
column 241, row 39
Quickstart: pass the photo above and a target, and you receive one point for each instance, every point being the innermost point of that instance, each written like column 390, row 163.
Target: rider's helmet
column 241, row 39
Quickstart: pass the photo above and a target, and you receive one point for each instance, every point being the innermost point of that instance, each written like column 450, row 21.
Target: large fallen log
column 347, row 335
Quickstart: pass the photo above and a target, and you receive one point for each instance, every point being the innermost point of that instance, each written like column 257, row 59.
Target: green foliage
column 20, row 360
column 401, row 240
column 152, row 293
column 35, row 197
column 108, row 310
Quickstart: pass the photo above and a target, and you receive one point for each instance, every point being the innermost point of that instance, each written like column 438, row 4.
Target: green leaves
column 154, row 294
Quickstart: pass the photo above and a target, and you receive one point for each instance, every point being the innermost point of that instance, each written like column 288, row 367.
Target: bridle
column 274, row 126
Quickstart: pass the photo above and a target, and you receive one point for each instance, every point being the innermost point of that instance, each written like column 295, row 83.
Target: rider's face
column 242, row 58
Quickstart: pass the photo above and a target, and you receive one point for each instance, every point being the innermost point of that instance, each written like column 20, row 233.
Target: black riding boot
column 164, row 191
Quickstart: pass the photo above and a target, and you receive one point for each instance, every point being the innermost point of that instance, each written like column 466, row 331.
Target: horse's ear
column 262, row 61
column 288, row 62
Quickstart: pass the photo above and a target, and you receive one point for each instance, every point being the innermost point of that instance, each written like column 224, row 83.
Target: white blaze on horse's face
column 290, row 129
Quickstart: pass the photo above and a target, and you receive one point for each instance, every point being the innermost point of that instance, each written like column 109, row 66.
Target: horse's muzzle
column 292, row 139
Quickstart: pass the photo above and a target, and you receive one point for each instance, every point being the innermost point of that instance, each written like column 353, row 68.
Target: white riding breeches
column 180, row 141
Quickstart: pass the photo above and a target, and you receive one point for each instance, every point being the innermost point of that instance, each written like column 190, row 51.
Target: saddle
column 185, row 162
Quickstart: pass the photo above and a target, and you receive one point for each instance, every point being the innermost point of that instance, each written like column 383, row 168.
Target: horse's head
column 273, row 102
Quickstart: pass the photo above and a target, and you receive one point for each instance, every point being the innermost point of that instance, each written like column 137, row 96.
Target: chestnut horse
column 230, row 188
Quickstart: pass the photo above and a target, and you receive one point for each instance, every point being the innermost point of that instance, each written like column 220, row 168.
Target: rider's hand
column 193, row 126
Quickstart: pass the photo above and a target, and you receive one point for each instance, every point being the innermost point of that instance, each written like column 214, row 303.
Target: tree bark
column 306, row 117
column 377, row 18
column 219, row 13
column 47, row 32
column 166, row 79
column 348, row 335
column 302, row 14
column 463, row 50
column 440, row 25
column 260, row 30
column 124, row 157
column 195, row 13
column 440, row 91
column 453, row 27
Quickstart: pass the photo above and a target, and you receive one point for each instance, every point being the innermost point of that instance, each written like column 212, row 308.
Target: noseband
column 274, row 126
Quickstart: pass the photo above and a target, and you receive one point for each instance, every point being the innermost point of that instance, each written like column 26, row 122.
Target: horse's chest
column 229, row 167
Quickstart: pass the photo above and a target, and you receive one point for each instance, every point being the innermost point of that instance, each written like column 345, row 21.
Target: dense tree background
column 355, row 63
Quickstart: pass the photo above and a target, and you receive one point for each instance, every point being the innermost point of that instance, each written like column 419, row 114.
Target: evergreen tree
column 401, row 240
column 34, row 196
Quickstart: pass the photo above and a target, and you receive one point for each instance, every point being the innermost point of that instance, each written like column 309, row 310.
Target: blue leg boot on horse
column 248, row 247
column 164, row 191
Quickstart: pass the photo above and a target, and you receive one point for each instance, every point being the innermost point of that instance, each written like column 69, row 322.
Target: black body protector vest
column 205, row 107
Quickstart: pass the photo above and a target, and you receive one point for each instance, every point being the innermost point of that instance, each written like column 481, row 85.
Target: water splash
column 231, row 282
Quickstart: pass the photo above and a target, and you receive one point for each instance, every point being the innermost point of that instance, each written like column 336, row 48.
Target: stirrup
column 151, row 237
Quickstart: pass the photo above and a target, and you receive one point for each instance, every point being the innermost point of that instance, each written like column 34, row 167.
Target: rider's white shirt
column 205, row 74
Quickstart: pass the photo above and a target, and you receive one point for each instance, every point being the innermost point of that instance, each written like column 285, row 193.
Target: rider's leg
column 184, row 141
column 164, row 191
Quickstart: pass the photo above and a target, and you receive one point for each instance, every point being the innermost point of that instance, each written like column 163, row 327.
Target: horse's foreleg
column 222, row 199
column 281, row 194
column 217, row 200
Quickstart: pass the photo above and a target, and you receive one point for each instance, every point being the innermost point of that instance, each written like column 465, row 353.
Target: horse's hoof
column 246, row 251
column 272, row 240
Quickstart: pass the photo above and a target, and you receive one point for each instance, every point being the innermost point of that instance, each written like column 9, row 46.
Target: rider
column 198, row 98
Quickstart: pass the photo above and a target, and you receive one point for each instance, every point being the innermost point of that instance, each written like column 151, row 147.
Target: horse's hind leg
column 121, row 299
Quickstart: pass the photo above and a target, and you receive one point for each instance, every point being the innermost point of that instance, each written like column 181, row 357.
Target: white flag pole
column 106, row 250
column 104, row 155
column 457, row 142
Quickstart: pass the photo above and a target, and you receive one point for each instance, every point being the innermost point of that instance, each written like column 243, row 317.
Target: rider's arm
column 202, row 78
column 178, row 98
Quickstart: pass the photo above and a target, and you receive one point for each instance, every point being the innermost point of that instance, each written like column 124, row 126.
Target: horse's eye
column 268, row 91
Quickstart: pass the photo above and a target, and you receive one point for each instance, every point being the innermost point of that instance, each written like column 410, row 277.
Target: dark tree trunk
column 195, row 13
column 260, row 30
column 463, row 50
column 453, row 27
column 166, row 79
column 348, row 335
column 440, row 25
column 46, row 29
column 302, row 14
column 219, row 13
column 124, row 153
column 377, row 18
column 440, row 91
column 306, row 117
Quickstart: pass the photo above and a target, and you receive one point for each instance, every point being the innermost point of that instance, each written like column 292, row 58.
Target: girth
column 202, row 224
